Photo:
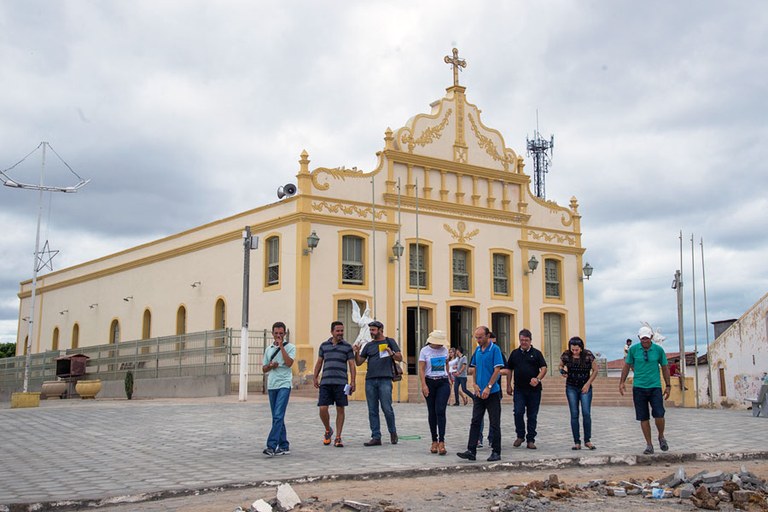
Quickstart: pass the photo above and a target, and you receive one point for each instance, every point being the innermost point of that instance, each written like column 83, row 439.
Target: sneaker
column 479, row 444
column 269, row 452
column 282, row 451
column 337, row 443
column 494, row 457
column 648, row 450
column 327, row 437
column 467, row 455
column 663, row 444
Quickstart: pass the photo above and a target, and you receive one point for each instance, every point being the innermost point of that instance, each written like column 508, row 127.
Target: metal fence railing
column 187, row 355
column 42, row 367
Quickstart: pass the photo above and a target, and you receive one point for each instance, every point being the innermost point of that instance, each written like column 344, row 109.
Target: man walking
column 278, row 359
column 380, row 354
column 528, row 366
column 486, row 366
column 645, row 359
column 334, row 358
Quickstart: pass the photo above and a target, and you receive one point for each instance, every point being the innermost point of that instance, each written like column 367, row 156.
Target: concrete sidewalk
column 91, row 450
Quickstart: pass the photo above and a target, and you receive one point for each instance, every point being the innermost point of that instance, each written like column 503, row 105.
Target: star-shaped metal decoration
column 45, row 257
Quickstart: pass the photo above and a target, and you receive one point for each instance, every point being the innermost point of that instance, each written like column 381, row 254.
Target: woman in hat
column 579, row 368
column 435, row 386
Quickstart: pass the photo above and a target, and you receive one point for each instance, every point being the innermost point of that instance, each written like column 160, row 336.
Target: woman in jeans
column 579, row 369
column 435, row 386
column 458, row 372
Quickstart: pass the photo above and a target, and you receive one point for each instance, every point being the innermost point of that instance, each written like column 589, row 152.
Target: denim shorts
column 332, row 394
column 643, row 397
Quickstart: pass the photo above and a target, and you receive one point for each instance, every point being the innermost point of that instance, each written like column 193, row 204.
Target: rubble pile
column 286, row 500
column 706, row 490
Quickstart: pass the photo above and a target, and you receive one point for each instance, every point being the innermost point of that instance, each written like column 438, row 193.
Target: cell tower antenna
column 541, row 150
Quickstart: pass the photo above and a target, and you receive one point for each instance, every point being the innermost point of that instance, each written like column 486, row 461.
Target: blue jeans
column 526, row 403
column 278, row 403
column 575, row 397
column 437, row 402
column 379, row 391
column 461, row 382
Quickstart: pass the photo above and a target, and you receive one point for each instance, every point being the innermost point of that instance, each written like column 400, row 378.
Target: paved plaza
column 92, row 450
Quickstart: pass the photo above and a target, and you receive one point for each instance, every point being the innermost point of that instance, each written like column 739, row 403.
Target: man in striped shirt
column 336, row 359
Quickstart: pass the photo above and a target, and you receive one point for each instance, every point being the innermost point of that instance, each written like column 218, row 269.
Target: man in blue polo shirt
column 486, row 367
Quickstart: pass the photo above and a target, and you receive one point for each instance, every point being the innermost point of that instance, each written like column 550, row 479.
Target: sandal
column 577, row 446
column 589, row 445
column 337, row 443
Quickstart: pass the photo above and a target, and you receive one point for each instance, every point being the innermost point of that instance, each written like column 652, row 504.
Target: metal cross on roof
column 456, row 63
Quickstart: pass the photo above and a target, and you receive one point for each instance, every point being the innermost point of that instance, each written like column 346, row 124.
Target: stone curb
column 552, row 463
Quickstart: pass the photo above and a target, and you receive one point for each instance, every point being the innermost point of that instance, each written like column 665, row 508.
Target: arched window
column 181, row 326
column 146, row 325
column 55, row 340
column 181, row 320
column 75, row 336
column 219, row 320
column 114, row 332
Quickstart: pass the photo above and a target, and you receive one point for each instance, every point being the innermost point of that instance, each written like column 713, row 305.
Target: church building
column 444, row 233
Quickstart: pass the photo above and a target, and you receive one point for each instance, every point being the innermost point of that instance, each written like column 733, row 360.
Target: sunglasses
column 645, row 355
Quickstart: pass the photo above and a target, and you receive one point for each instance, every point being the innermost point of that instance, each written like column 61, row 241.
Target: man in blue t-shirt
column 336, row 360
column 486, row 367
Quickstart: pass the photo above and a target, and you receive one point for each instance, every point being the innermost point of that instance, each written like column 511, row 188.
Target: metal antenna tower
column 541, row 150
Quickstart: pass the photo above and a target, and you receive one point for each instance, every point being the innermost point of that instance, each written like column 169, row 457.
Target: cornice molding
column 544, row 247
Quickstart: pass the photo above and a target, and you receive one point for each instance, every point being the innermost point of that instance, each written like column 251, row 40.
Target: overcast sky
column 183, row 112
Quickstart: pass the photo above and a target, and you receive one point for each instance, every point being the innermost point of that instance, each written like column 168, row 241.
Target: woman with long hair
column 578, row 367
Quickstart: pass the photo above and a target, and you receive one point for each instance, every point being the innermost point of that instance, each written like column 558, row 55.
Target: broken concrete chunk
column 742, row 496
column 686, row 490
column 287, row 497
column 261, row 506
column 712, row 477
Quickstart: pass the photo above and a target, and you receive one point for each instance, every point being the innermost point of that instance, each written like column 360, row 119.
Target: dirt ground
column 465, row 491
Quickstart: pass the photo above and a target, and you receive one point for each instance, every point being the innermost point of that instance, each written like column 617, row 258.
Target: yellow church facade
column 446, row 189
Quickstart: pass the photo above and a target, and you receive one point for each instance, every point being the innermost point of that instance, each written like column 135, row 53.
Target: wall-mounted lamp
column 533, row 264
column 63, row 311
column 312, row 241
column 196, row 284
column 94, row 305
column 128, row 299
column 587, row 272
column 397, row 251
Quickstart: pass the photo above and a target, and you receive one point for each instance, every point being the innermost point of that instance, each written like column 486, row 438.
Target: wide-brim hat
column 437, row 338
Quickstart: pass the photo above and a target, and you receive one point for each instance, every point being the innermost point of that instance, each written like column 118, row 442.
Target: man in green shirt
column 645, row 359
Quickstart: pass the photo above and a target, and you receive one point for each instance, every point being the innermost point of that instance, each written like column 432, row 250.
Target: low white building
column 739, row 357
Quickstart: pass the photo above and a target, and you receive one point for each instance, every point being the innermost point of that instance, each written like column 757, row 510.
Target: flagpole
column 695, row 337
column 706, row 324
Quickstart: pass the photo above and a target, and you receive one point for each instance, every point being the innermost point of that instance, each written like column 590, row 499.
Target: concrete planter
column 29, row 399
column 53, row 389
column 88, row 389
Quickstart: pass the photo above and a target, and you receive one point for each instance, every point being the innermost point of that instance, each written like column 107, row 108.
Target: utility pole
column 249, row 243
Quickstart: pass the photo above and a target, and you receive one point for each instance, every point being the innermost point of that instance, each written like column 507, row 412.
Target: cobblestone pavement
column 91, row 450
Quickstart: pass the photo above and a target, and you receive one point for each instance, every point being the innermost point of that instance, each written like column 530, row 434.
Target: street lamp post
column 39, row 262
